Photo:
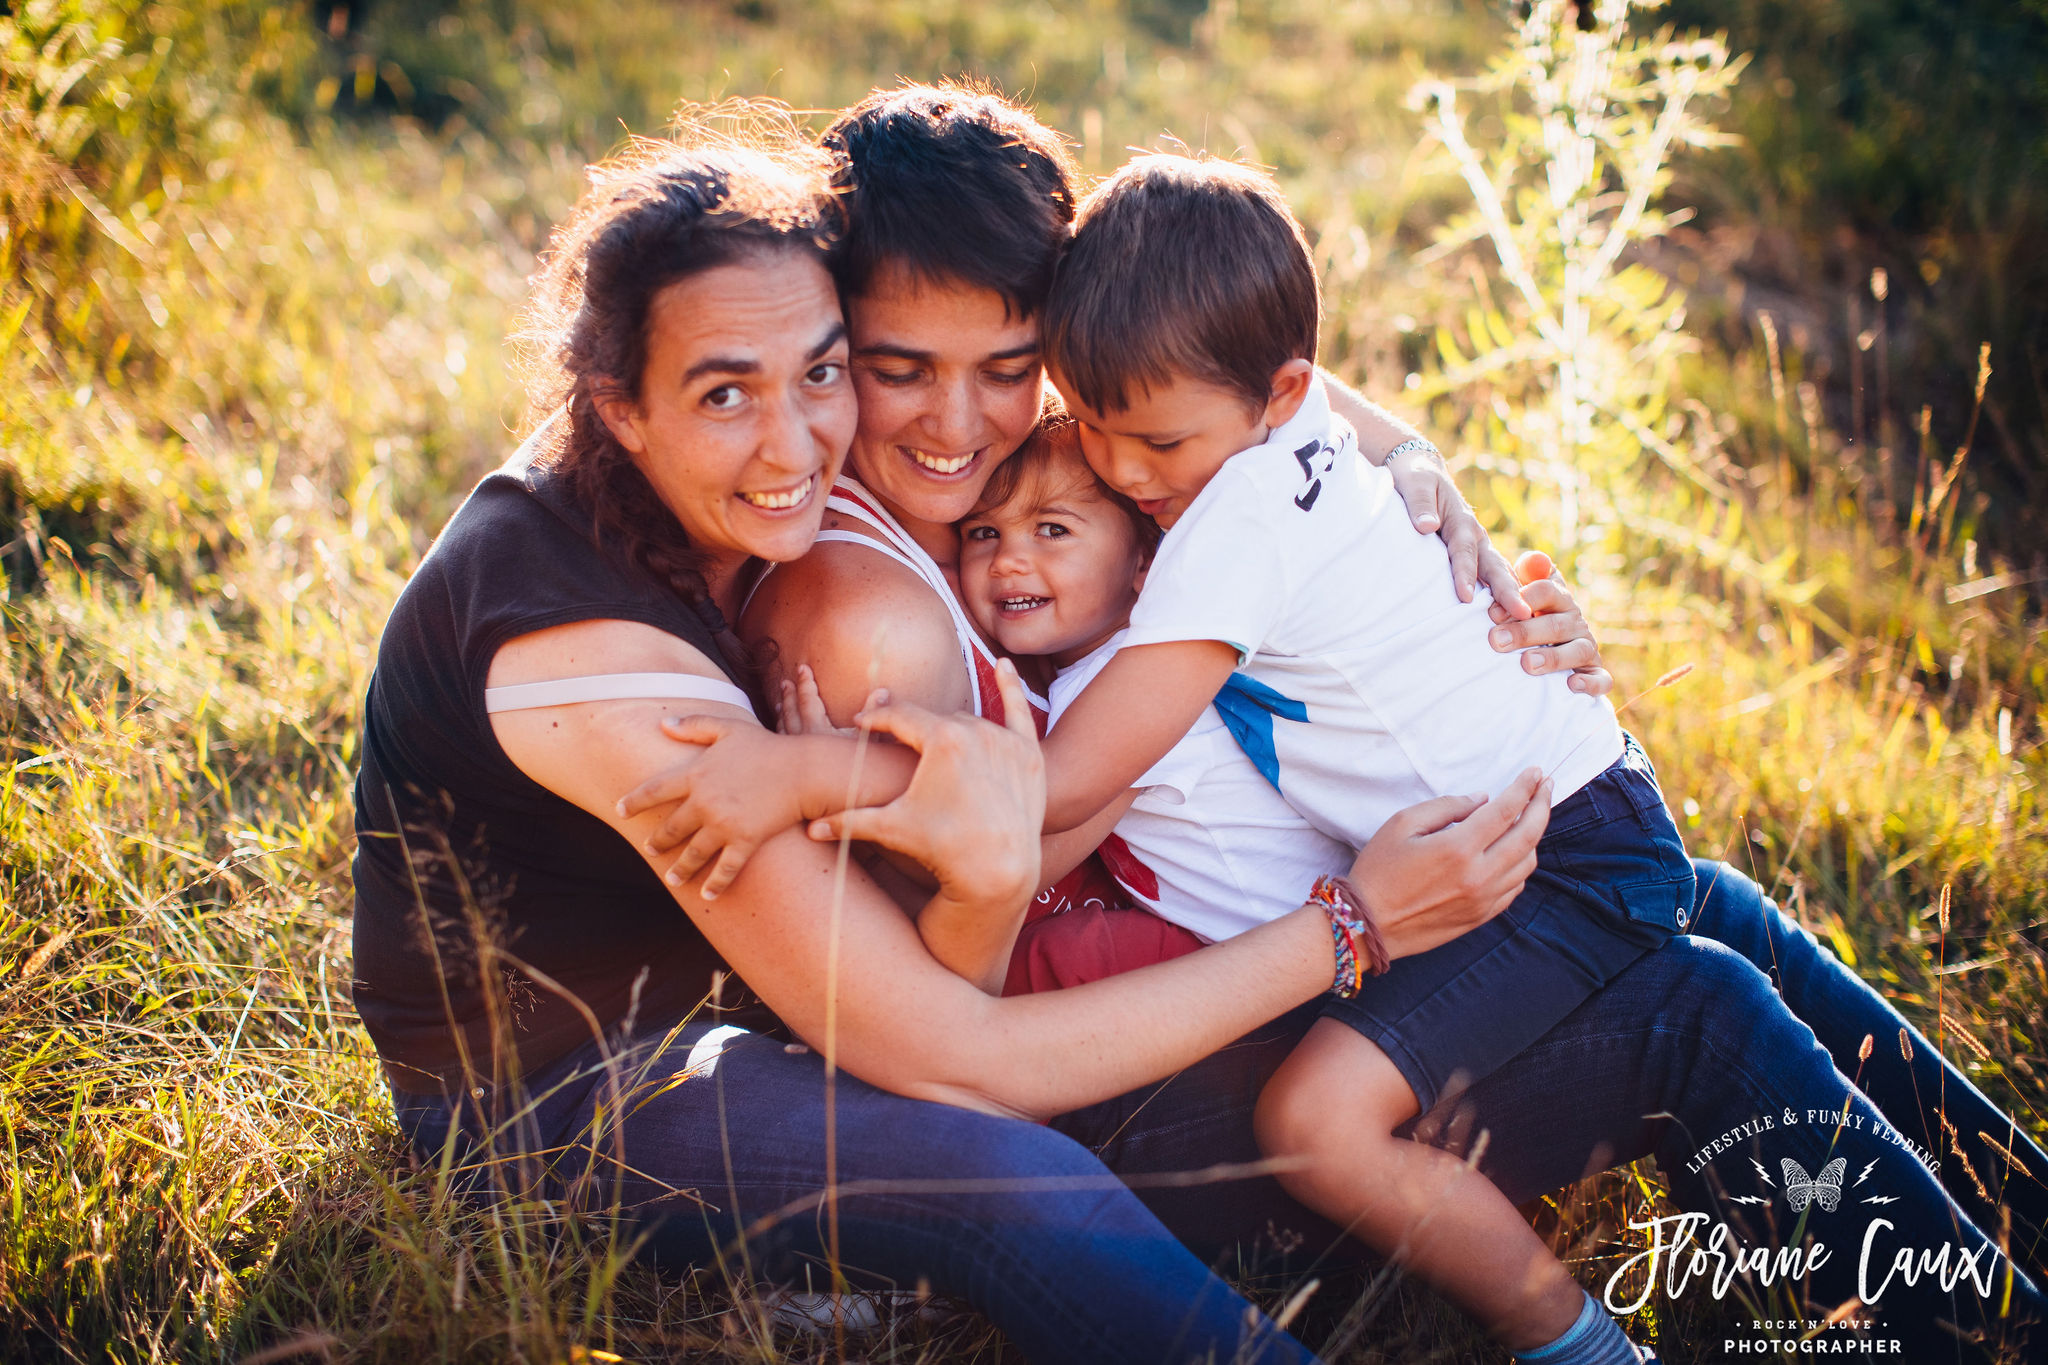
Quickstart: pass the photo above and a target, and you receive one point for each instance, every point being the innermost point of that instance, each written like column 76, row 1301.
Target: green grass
column 252, row 310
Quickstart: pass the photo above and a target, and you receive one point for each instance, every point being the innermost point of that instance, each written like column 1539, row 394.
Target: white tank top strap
column 851, row 496
column 849, row 499
column 879, row 546
column 615, row 687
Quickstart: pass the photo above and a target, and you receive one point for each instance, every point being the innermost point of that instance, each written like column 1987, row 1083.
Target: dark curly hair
column 661, row 212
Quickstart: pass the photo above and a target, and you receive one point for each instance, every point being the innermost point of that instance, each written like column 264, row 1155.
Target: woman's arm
column 844, row 968
column 841, row 964
column 1379, row 431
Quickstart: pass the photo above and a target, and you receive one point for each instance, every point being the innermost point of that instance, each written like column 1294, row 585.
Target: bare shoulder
column 861, row 621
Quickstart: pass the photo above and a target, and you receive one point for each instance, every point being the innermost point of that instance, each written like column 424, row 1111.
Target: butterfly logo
column 1824, row 1189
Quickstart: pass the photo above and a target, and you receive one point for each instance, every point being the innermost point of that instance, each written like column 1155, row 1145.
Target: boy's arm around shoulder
column 1126, row 719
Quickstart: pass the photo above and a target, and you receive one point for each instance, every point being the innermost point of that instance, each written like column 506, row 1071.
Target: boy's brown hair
column 1055, row 435
column 1181, row 265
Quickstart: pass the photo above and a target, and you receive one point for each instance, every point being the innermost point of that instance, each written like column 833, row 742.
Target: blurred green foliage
column 1910, row 135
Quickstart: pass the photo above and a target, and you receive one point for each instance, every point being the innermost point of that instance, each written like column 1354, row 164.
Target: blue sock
column 1594, row 1339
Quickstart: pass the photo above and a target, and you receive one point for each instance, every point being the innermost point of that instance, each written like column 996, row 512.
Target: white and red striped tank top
column 889, row 538
column 1092, row 883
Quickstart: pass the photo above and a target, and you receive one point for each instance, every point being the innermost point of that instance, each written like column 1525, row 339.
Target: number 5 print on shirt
column 1306, row 457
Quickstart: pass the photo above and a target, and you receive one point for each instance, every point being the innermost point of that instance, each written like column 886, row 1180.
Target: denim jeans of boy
column 1691, row 1044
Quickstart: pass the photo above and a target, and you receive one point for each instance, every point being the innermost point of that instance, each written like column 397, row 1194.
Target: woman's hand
column 1441, row 868
column 1557, row 636
column 972, row 811
column 1435, row 507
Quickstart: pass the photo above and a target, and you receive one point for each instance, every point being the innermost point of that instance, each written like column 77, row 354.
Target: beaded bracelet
column 1361, row 951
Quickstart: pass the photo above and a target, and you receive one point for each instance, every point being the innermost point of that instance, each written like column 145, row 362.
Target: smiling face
column 1054, row 569
column 745, row 407
column 949, row 385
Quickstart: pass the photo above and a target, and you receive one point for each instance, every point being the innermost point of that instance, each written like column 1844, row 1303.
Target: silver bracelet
column 1414, row 443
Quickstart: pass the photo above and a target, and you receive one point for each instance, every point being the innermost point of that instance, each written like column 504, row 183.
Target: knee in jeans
column 985, row 1149
column 1709, row 993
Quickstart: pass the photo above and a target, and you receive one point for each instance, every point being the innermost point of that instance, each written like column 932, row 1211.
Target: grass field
column 257, row 265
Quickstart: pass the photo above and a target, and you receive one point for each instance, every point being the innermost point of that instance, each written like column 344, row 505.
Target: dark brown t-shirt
column 457, row 848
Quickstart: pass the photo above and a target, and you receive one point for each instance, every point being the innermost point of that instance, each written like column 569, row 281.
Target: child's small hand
column 1557, row 637
column 799, row 710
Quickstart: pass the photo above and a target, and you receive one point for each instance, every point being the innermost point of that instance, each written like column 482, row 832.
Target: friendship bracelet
column 1364, row 950
column 1379, row 960
column 1346, row 945
column 1345, row 933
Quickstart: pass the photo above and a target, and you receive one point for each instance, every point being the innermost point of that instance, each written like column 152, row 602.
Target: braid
column 627, row 515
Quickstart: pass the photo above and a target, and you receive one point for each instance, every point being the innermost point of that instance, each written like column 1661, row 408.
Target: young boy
column 1051, row 563
column 1289, row 591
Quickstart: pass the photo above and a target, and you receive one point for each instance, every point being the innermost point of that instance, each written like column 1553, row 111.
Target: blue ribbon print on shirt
column 1248, row 707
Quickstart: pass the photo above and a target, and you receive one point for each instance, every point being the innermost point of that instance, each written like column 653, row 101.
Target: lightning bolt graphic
column 1763, row 1174
column 1882, row 1199
column 1866, row 1172
column 1748, row 1199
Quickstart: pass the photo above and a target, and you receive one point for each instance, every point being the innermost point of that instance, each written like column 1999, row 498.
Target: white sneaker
column 805, row 1310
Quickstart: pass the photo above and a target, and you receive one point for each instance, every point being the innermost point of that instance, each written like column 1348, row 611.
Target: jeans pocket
column 1631, row 859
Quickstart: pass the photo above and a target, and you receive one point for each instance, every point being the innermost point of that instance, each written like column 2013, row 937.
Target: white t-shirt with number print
column 1380, row 689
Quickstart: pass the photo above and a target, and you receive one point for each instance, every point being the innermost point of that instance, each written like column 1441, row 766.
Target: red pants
column 1085, row 928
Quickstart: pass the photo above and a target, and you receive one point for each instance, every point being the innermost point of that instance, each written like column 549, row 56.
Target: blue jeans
column 1916, row 1094
column 1611, row 882
column 1683, row 1048
column 727, row 1167
column 1066, row 1236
